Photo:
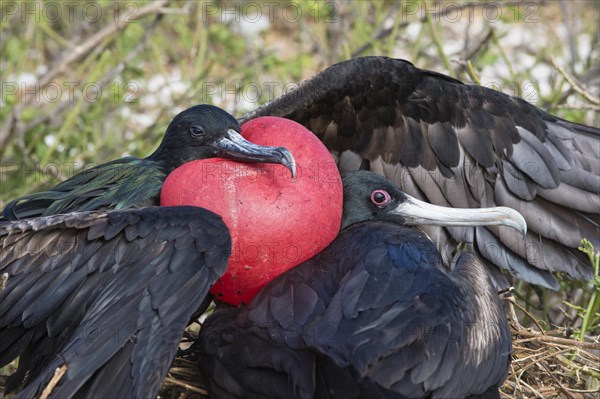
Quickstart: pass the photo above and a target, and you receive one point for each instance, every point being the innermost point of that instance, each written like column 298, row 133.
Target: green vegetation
column 591, row 314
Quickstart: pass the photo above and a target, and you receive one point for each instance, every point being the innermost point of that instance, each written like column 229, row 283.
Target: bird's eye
column 380, row 198
column 197, row 131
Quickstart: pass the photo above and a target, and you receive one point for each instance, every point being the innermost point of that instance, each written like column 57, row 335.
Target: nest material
column 549, row 365
column 544, row 365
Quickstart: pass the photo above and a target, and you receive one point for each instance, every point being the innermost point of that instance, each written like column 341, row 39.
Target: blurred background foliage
column 87, row 82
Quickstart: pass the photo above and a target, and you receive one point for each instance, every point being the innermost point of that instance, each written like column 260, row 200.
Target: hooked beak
column 234, row 146
column 416, row 212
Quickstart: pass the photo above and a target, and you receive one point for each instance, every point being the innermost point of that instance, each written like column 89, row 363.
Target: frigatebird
column 103, row 296
column 202, row 131
column 93, row 290
column 466, row 146
column 372, row 316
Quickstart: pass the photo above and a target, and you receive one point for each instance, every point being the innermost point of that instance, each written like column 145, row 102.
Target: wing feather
column 102, row 293
column 379, row 318
column 395, row 117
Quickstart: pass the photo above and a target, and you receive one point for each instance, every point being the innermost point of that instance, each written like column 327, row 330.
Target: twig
column 517, row 382
column 556, row 381
column 568, row 17
column 472, row 72
column 583, row 390
column 585, row 370
column 540, row 337
column 73, row 55
column 437, row 41
column 522, row 309
column 108, row 77
column 535, row 359
column 506, row 60
column 385, row 32
column 534, row 391
column 184, row 385
column 587, row 95
column 580, row 107
column 58, row 373
column 470, row 53
column 93, row 42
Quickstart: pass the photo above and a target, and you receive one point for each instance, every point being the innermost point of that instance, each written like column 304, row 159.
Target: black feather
column 448, row 128
column 110, row 307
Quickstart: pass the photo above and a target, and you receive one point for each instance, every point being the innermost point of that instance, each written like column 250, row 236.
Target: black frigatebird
column 103, row 297
column 202, row 131
column 372, row 316
column 464, row 146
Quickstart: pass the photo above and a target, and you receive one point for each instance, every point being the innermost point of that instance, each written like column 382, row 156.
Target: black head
column 369, row 197
column 205, row 131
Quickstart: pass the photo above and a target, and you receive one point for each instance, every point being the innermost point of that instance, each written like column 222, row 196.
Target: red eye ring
column 380, row 198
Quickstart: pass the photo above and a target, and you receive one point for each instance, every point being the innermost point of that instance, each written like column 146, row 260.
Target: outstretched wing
column 362, row 320
column 108, row 294
column 461, row 145
column 119, row 184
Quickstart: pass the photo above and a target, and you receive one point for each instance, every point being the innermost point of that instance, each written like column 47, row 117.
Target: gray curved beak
column 234, row 146
column 416, row 212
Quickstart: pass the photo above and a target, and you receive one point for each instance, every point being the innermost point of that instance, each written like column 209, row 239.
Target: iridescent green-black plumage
column 120, row 184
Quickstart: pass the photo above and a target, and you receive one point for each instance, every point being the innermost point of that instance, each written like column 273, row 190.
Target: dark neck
column 169, row 159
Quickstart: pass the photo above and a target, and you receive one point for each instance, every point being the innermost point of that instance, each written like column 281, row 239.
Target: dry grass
column 548, row 365
column 544, row 365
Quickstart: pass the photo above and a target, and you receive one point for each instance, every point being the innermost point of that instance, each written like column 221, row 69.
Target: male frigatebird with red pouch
column 85, row 275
